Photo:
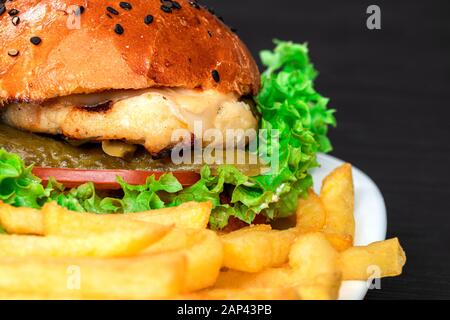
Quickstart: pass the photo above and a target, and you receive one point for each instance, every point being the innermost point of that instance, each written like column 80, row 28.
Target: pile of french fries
column 53, row 253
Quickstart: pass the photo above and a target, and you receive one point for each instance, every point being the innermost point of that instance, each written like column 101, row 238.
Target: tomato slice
column 106, row 179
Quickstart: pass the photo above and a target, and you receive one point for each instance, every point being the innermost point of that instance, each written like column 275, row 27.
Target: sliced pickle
column 53, row 152
column 119, row 149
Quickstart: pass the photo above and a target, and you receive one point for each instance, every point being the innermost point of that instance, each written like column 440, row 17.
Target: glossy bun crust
column 178, row 49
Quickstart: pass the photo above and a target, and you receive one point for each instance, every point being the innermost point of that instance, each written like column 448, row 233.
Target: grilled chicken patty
column 148, row 117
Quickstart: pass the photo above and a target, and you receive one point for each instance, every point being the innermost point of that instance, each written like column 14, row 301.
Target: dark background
column 390, row 88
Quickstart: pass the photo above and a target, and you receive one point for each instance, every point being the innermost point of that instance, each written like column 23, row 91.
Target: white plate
column 370, row 216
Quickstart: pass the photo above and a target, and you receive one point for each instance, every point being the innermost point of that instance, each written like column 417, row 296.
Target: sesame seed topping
column 176, row 5
column 15, row 20
column 79, row 11
column 109, row 16
column 13, row 12
column 148, row 19
column 118, row 29
column 195, row 4
column 125, row 5
column 167, row 3
column 216, row 75
column 112, row 11
column 13, row 53
column 166, row 9
column 2, row 9
column 35, row 40
column 210, row 33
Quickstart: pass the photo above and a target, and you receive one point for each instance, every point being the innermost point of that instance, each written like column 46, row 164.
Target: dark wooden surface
column 391, row 89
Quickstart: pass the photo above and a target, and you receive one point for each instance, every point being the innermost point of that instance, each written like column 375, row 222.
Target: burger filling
column 145, row 117
column 290, row 110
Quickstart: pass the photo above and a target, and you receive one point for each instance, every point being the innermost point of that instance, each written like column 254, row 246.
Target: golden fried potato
column 253, row 249
column 269, row 278
column 339, row 242
column 247, row 294
column 21, row 220
column 62, row 222
column 337, row 197
column 7, row 295
column 204, row 253
column 311, row 215
column 108, row 244
column 31, row 221
column 140, row 277
column 360, row 263
column 313, row 270
column 316, row 261
column 193, row 215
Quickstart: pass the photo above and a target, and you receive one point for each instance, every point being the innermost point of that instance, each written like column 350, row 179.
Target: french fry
column 254, row 249
column 337, row 196
column 313, row 271
column 204, row 253
column 7, row 295
column 377, row 260
column 193, row 215
column 311, row 215
column 62, row 222
column 31, row 221
column 339, row 242
column 269, row 278
column 247, row 294
column 141, row 277
column 317, row 261
column 21, row 220
column 110, row 244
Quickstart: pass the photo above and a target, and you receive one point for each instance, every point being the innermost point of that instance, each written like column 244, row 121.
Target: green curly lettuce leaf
column 18, row 186
column 287, row 103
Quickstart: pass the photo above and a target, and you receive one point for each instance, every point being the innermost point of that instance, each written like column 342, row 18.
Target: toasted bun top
column 83, row 53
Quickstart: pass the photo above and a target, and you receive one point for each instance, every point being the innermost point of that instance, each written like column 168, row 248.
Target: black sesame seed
column 109, row 16
column 148, row 19
column 233, row 30
column 211, row 10
column 176, row 5
column 35, row 40
column 79, row 11
column 13, row 53
column 13, row 12
column 216, row 75
column 112, row 11
column 118, row 29
column 15, row 20
column 210, row 33
column 125, row 5
column 166, row 9
column 194, row 4
column 221, row 19
column 2, row 9
column 167, row 3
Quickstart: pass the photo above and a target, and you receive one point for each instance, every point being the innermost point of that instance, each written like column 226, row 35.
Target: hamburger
column 93, row 94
